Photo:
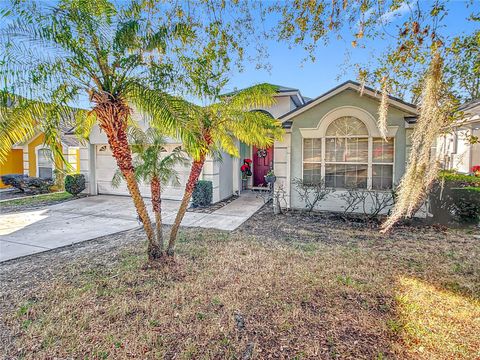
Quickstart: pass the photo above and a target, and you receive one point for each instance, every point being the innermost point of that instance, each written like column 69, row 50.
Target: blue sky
column 334, row 61
column 328, row 70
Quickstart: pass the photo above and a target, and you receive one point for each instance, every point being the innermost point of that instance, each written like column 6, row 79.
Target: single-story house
column 455, row 150
column 334, row 137
column 34, row 158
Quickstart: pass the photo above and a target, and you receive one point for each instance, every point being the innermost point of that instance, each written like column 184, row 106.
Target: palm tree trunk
column 157, row 209
column 153, row 250
column 112, row 114
column 192, row 180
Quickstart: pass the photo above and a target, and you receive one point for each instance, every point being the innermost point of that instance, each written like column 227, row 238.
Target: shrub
column 370, row 203
column 459, row 180
column 202, row 193
column 311, row 194
column 466, row 207
column 27, row 184
column 14, row 180
column 454, row 198
column 75, row 184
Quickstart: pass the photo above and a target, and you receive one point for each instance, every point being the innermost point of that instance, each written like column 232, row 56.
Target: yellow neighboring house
column 34, row 158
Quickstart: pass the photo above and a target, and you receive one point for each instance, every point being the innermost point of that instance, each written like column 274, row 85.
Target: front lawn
column 288, row 287
column 28, row 202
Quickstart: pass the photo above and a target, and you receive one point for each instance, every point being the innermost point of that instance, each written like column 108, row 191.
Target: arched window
column 347, row 126
column 346, row 154
column 351, row 157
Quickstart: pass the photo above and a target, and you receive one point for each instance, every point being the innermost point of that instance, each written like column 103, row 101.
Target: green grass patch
column 37, row 199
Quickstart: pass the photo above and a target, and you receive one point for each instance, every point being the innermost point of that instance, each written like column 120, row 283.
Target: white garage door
column 106, row 167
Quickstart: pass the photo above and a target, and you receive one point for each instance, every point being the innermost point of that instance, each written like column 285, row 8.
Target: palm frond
column 117, row 179
column 84, row 122
column 166, row 112
column 254, row 97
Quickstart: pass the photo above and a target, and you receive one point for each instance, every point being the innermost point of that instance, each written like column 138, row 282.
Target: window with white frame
column 312, row 160
column 351, row 158
column 44, row 163
column 382, row 163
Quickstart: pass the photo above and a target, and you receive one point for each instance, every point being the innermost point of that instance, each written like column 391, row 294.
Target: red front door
column 261, row 165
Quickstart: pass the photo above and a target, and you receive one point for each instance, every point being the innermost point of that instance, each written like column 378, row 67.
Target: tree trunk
column 153, row 250
column 192, row 180
column 155, row 188
column 112, row 114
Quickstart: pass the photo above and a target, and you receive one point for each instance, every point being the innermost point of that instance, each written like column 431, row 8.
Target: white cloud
column 402, row 10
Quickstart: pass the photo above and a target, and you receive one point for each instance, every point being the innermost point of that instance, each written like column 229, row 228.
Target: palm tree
column 216, row 128
column 115, row 55
column 154, row 168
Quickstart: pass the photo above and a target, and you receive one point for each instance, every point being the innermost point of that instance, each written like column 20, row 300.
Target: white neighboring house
column 334, row 137
column 454, row 150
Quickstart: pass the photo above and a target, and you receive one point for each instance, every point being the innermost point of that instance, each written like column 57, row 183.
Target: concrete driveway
column 51, row 227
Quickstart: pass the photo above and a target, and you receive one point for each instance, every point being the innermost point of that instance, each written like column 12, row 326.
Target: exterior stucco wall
column 225, row 169
column 13, row 165
column 30, row 156
column 311, row 119
column 281, row 166
column 282, row 105
column 87, row 163
column 475, row 150
column 456, row 152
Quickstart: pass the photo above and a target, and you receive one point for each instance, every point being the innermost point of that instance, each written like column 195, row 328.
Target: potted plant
column 270, row 177
column 246, row 169
column 476, row 170
column 246, row 172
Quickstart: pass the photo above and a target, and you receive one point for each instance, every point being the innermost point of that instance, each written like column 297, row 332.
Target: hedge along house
column 34, row 158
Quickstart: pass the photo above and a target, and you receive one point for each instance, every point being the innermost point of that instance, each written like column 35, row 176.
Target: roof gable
column 350, row 85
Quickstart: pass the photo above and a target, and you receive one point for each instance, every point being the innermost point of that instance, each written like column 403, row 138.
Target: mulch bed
column 12, row 194
column 213, row 207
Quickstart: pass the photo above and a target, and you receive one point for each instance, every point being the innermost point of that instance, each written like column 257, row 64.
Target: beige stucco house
column 332, row 138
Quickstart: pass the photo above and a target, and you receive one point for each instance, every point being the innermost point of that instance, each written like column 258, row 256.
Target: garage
column 105, row 166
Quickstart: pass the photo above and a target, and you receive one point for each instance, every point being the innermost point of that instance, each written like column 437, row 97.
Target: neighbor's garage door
column 106, row 167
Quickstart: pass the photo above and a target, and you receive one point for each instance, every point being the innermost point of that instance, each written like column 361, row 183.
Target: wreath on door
column 262, row 153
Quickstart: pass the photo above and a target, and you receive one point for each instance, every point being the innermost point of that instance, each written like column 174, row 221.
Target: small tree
column 154, row 168
column 378, row 201
column 311, row 193
column 353, row 198
column 216, row 128
column 113, row 53
column 279, row 199
column 370, row 203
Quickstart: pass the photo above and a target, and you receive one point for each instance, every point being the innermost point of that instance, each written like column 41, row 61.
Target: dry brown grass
column 290, row 287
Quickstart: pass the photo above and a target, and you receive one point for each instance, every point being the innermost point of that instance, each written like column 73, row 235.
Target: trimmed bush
column 14, row 180
column 455, row 198
column 202, row 193
column 466, row 208
column 75, row 184
column 460, row 180
column 27, row 184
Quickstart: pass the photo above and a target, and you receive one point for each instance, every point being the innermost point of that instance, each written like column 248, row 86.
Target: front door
column 262, row 163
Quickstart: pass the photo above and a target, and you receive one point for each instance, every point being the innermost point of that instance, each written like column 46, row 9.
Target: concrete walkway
column 39, row 230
